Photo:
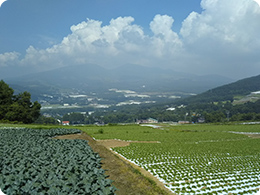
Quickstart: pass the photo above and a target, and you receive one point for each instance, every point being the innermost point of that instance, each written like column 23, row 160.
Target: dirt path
column 128, row 178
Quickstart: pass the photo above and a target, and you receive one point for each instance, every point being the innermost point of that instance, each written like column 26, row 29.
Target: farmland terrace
column 193, row 159
column 171, row 159
column 126, row 176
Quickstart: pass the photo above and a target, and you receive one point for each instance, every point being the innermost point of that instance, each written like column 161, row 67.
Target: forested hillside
column 226, row 92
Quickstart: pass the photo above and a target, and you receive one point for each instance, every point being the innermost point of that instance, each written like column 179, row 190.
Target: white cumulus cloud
column 225, row 36
column 9, row 58
column 118, row 43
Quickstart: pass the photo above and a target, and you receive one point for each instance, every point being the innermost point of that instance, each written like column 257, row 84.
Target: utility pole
column 227, row 112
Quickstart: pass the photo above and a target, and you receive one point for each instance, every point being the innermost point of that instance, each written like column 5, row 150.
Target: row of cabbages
column 32, row 163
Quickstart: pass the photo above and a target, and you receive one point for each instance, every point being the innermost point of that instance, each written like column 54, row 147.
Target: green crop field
column 31, row 162
column 193, row 159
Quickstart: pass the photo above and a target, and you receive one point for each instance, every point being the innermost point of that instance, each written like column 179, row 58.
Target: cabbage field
column 31, row 162
column 194, row 159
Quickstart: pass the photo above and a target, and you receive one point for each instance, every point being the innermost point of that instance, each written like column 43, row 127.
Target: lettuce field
column 194, row 159
column 34, row 163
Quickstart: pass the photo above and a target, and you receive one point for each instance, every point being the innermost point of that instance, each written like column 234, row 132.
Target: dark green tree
column 17, row 107
column 6, row 94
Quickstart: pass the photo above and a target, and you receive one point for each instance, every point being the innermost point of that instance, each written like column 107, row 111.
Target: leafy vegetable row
column 33, row 163
column 194, row 159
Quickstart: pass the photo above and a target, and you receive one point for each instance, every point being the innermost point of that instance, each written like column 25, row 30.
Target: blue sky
column 198, row 36
column 41, row 22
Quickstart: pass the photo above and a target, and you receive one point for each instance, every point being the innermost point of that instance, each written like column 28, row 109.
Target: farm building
column 65, row 123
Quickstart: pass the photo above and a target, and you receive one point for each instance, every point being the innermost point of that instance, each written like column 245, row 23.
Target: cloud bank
column 223, row 39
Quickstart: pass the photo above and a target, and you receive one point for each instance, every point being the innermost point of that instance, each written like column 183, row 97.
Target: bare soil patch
column 112, row 143
column 255, row 136
column 128, row 178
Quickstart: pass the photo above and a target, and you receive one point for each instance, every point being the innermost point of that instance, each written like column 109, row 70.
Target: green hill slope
column 226, row 92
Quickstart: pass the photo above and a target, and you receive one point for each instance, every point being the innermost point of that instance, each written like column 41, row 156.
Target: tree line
column 17, row 108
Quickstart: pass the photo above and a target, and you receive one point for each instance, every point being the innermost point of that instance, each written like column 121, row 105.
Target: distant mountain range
column 94, row 78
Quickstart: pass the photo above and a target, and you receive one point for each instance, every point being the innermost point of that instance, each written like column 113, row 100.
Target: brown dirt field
column 112, row 143
column 255, row 136
column 129, row 179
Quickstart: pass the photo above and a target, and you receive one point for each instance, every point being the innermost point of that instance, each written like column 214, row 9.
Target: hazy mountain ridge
column 91, row 77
